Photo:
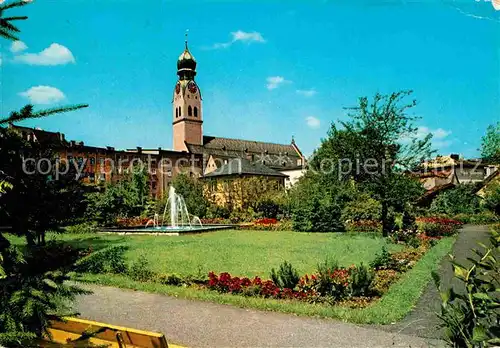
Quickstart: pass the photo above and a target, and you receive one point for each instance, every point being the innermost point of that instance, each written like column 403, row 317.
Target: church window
column 180, row 111
column 195, row 111
column 176, row 112
column 190, row 111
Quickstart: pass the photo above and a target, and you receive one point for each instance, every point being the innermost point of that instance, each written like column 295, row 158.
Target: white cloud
column 18, row 46
column 307, row 92
column 438, row 133
column 439, row 136
column 274, row 82
column 43, row 95
column 241, row 36
column 55, row 54
column 313, row 122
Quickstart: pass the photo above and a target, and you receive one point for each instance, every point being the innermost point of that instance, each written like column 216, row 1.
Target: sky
column 267, row 70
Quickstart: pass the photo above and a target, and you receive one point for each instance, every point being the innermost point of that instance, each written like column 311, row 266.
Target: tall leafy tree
column 490, row 145
column 374, row 148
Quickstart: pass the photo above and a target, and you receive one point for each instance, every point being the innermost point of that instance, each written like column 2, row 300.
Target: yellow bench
column 74, row 332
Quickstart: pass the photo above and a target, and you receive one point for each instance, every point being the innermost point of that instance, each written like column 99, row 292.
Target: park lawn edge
column 393, row 306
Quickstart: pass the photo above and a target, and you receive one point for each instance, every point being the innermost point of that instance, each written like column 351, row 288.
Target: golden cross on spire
column 186, row 40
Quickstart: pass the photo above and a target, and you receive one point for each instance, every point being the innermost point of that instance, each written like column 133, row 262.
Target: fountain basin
column 165, row 230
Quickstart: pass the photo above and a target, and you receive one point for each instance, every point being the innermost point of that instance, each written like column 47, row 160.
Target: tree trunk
column 385, row 220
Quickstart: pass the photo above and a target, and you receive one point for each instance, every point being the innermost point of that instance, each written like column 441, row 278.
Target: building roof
column 242, row 166
column 279, row 156
column 41, row 136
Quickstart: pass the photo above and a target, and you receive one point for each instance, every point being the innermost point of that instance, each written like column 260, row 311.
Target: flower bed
column 438, row 227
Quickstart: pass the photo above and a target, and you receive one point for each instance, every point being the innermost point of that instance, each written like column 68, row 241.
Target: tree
column 490, row 145
column 374, row 148
column 124, row 198
column 30, row 288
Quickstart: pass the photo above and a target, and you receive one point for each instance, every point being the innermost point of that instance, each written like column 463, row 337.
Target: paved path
column 423, row 321
column 204, row 324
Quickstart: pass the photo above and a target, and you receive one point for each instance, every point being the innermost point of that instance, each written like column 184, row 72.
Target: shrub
column 170, row 279
column 383, row 280
column 286, row 276
column 107, row 260
column 438, row 227
column 140, row 271
column 331, row 280
column 83, row 228
column 364, row 226
column 363, row 207
column 268, row 209
column 459, row 200
column 382, row 260
column 481, row 218
column 316, row 207
column 215, row 211
column 360, row 279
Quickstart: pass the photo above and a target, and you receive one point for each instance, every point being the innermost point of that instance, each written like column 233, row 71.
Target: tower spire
column 186, row 38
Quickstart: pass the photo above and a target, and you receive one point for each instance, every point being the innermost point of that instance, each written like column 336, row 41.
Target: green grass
column 249, row 253
column 241, row 253
column 393, row 306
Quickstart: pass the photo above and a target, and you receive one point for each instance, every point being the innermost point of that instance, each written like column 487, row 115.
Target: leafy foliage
column 286, row 276
column 362, row 207
column 107, row 260
column 32, row 287
column 492, row 197
column 121, row 199
column 458, row 200
column 191, row 189
column 382, row 260
column 40, row 198
column 471, row 318
column 368, row 149
column 140, row 270
column 361, row 280
column 490, row 145
column 316, row 206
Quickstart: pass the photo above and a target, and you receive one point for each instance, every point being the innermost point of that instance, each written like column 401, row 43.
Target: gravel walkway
column 423, row 321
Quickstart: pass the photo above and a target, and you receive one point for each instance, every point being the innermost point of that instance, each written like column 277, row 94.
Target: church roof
column 242, row 166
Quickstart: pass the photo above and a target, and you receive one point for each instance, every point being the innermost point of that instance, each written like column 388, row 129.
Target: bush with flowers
column 438, row 227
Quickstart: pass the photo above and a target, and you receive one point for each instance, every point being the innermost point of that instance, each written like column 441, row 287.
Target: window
column 195, row 111
column 180, row 111
column 92, row 177
column 102, row 176
column 190, row 111
column 92, row 161
column 176, row 112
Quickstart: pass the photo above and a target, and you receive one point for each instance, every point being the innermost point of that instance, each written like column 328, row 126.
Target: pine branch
column 6, row 35
column 5, row 25
column 15, row 18
column 13, row 4
column 27, row 113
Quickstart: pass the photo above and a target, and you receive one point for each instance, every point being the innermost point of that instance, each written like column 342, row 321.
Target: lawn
column 242, row 253
column 250, row 253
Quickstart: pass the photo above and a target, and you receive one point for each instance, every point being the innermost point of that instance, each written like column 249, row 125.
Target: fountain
column 175, row 220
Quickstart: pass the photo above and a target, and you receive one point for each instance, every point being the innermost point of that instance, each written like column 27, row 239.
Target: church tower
column 187, row 113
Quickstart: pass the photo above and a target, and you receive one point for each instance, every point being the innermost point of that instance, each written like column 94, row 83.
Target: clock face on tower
column 192, row 87
column 177, row 88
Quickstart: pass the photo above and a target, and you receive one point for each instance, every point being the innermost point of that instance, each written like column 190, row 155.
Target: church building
column 216, row 152
column 193, row 152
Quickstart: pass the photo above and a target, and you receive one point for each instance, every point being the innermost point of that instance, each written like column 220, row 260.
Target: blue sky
column 266, row 70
